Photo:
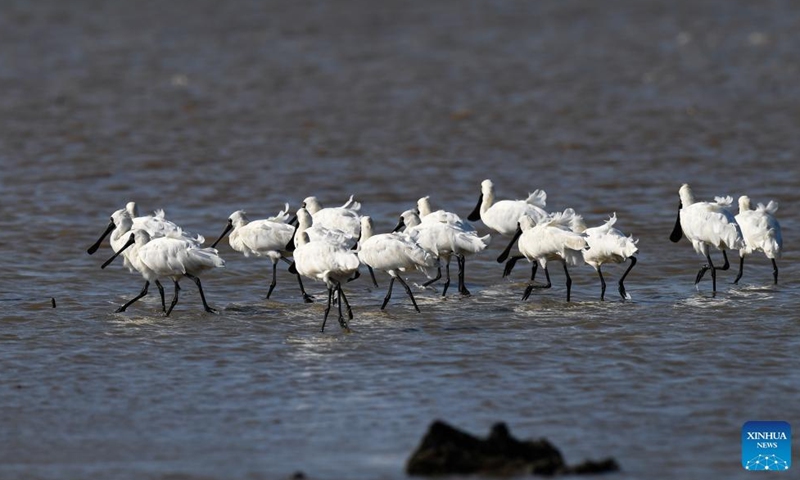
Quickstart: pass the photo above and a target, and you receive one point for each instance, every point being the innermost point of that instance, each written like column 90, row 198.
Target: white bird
column 426, row 214
column 444, row 240
column 707, row 224
column 269, row 238
column 551, row 239
column 173, row 256
column 326, row 262
column 345, row 218
column 393, row 253
column 503, row 216
column 608, row 244
column 122, row 222
column 761, row 232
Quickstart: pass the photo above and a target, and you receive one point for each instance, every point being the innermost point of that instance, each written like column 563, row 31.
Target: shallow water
column 203, row 108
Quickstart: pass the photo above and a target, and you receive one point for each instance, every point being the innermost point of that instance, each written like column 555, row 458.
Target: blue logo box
column 767, row 446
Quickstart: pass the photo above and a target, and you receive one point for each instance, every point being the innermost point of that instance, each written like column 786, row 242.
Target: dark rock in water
column 446, row 450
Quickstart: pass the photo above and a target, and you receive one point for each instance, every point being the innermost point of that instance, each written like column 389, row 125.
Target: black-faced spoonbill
column 503, row 216
column 172, row 257
column 608, row 245
column 393, row 253
column 707, row 224
column 443, row 240
column 122, row 221
column 328, row 263
column 262, row 238
column 761, row 232
column 551, row 239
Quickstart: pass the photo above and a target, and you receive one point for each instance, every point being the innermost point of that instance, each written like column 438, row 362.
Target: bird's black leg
column 327, row 309
column 711, row 267
column 447, row 281
column 161, row 293
column 346, row 304
column 408, row 291
column 462, row 265
column 569, row 280
column 741, row 269
column 137, row 297
column 372, row 274
column 174, row 299
column 274, row 279
column 602, row 284
column 775, row 270
column 202, row 296
column 622, row 279
column 388, row 294
column 342, row 321
column 727, row 264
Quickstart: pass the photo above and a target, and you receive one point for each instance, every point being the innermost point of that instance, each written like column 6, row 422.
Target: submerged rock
column 446, row 450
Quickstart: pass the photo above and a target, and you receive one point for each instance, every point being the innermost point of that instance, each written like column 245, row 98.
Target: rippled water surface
column 205, row 107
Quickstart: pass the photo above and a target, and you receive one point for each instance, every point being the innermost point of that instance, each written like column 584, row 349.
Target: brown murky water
column 203, row 108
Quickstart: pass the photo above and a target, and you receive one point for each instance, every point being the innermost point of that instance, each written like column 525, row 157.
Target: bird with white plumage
column 707, row 224
column 551, row 239
column 324, row 261
column 267, row 237
column 607, row 244
column 503, row 216
column 444, row 239
column 761, row 232
column 173, row 256
column 393, row 253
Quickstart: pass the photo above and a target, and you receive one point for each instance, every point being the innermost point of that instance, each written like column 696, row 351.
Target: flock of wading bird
column 330, row 244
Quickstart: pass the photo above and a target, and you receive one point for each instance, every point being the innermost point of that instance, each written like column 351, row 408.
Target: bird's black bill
column 400, row 225
column 504, row 255
column 677, row 232
column 96, row 245
column 228, row 228
column 476, row 213
column 130, row 242
column 293, row 221
column 290, row 247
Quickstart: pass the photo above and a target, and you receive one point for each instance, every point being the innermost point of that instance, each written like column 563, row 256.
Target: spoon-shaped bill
column 476, row 212
column 130, row 242
column 677, row 232
column 228, row 228
column 96, row 244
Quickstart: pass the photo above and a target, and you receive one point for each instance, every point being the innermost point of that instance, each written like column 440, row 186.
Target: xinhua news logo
column 767, row 446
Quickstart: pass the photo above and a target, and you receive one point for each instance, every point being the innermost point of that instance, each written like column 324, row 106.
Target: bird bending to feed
column 607, row 244
column 552, row 239
column 327, row 262
column 761, row 232
column 707, row 224
column 172, row 257
column 262, row 238
column 393, row 253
